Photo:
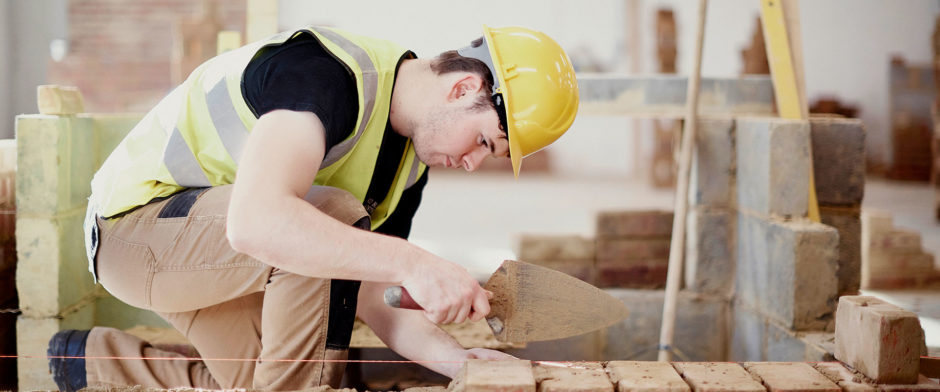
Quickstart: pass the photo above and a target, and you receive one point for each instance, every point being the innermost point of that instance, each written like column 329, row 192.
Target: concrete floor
column 473, row 219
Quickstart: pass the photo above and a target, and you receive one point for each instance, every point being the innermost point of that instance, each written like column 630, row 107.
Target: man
column 205, row 212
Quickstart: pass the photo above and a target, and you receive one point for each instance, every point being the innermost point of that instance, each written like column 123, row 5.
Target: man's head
column 463, row 128
column 510, row 93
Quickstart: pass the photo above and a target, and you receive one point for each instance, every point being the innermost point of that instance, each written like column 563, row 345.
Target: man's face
column 455, row 135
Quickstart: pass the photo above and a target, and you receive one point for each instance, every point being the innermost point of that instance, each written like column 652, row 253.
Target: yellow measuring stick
column 787, row 73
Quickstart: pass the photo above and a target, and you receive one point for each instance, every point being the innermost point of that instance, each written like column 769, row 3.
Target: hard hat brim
column 515, row 150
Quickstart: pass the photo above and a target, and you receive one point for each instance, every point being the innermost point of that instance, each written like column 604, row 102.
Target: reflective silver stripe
column 181, row 162
column 228, row 125
column 413, row 176
column 370, row 85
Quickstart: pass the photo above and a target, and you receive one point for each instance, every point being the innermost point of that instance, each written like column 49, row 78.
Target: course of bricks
column 630, row 250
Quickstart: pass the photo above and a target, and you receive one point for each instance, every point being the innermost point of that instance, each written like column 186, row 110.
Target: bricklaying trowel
column 532, row 303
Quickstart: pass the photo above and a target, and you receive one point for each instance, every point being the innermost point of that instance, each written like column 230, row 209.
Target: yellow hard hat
column 535, row 91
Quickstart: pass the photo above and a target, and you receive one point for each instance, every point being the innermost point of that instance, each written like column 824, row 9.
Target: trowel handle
column 398, row 297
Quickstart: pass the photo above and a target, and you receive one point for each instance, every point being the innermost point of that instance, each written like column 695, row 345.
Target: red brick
column 572, row 377
column 896, row 241
column 717, row 377
column 651, row 275
column 645, row 376
column 627, row 250
column 791, row 377
column 634, row 224
column 878, row 339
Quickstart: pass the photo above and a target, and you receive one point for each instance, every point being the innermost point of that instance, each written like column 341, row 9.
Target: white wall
column 6, row 66
column 27, row 28
column 847, row 46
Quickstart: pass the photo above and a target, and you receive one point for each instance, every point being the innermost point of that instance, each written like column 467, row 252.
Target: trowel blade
column 533, row 303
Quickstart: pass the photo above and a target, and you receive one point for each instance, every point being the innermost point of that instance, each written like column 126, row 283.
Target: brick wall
column 121, row 51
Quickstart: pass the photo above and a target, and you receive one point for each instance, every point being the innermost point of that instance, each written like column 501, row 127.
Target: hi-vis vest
column 194, row 137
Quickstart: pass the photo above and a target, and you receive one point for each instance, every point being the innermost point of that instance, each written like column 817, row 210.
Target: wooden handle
column 398, row 297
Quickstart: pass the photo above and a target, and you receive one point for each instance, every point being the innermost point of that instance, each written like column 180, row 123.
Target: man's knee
column 339, row 204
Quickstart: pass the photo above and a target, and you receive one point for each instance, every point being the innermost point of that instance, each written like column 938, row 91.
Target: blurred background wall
column 118, row 52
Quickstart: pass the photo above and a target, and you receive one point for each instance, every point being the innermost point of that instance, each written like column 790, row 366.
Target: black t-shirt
column 302, row 76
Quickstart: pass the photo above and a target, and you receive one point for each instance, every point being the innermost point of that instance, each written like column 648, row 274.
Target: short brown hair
column 451, row 61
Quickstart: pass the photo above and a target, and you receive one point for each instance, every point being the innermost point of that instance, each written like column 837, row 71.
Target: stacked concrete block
column 772, row 166
column 54, row 165
column 633, row 248
column 710, row 223
column 56, row 156
column 893, row 258
column 756, row 337
column 571, row 254
column 701, row 329
column 880, row 340
column 787, row 269
column 838, row 146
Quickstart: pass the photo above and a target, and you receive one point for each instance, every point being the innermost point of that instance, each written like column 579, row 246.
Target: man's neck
column 409, row 96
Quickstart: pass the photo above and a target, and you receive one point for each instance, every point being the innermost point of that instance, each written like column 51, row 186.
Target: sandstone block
column 848, row 223
column 641, row 223
column 838, row 160
column 791, row 376
column 499, row 376
column 717, row 376
column 879, row 339
column 645, row 376
column 709, row 266
column 59, row 100
column 843, row 377
column 51, row 272
column 773, row 163
column 711, row 179
column 788, row 270
column 896, row 241
column 572, row 377
column 55, row 164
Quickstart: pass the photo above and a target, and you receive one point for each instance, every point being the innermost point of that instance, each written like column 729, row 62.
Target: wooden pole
column 677, row 246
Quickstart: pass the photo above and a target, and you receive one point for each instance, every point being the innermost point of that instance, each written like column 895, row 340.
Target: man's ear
column 468, row 84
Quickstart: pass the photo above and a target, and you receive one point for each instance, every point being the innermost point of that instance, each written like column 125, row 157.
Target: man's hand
column 447, row 292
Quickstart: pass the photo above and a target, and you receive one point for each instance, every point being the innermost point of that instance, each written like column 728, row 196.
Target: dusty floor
column 472, row 219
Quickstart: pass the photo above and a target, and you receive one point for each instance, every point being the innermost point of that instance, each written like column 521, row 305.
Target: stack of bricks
column 630, row 250
column 912, row 93
column 137, row 42
column 57, row 152
column 633, row 248
column 893, row 258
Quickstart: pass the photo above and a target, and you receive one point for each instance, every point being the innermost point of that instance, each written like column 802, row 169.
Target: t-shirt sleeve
column 301, row 76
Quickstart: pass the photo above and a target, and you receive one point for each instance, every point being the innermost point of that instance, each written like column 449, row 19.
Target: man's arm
column 412, row 336
column 269, row 220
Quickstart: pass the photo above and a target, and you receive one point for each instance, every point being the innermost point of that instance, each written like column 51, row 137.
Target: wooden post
column 674, row 274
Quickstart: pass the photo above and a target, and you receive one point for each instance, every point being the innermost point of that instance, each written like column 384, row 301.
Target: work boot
column 68, row 373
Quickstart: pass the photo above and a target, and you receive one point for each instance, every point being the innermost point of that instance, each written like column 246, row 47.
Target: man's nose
column 472, row 159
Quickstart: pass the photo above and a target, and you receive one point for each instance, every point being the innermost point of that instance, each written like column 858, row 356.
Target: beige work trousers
column 248, row 320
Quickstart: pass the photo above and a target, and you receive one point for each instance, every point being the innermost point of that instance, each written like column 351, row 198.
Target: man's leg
column 173, row 257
